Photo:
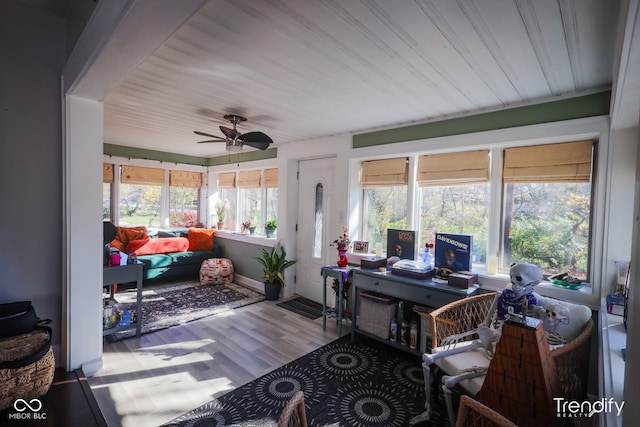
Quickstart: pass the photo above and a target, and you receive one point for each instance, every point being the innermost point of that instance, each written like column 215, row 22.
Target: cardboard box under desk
column 462, row 279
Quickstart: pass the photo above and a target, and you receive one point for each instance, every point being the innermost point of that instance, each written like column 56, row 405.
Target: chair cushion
column 579, row 315
column 455, row 364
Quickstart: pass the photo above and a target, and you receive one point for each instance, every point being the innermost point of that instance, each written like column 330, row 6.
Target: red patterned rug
column 164, row 307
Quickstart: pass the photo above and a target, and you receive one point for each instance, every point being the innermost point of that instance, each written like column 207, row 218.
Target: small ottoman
column 216, row 270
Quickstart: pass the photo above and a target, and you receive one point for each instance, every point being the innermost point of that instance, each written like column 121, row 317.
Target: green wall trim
column 566, row 109
column 249, row 156
column 142, row 153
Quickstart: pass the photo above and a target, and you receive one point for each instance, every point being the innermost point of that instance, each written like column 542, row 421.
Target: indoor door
column 315, row 190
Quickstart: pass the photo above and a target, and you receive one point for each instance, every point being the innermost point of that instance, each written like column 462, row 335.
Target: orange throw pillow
column 162, row 245
column 201, row 239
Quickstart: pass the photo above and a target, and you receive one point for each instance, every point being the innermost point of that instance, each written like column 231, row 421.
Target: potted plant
column 270, row 227
column 274, row 262
column 221, row 212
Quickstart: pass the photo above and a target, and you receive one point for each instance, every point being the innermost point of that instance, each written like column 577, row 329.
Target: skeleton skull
column 523, row 278
column 556, row 314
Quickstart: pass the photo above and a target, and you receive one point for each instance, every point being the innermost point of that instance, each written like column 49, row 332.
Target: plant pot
column 220, row 225
column 271, row 291
column 252, row 230
column 269, row 231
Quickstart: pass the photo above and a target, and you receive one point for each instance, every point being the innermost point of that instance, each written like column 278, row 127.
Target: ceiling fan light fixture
column 236, row 140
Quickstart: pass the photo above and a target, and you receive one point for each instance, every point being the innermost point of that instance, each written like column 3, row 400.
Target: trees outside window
column 139, row 205
column 461, row 209
column 548, row 224
column 383, row 208
column 183, row 206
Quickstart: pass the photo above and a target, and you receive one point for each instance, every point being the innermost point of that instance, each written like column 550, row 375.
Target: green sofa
column 173, row 260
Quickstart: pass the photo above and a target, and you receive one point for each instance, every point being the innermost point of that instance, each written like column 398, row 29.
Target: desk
column 341, row 275
column 125, row 273
column 427, row 293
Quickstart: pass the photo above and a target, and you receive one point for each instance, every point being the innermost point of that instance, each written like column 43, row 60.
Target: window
column 317, row 226
column 547, row 207
column 454, row 198
column 249, row 196
column 184, row 193
column 140, row 191
column 271, row 197
column 107, row 181
column 384, row 185
column 227, row 197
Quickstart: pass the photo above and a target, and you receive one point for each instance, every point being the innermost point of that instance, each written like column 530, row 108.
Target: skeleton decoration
column 556, row 314
column 524, row 277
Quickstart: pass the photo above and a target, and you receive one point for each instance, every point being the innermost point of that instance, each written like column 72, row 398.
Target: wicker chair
column 475, row 414
column 461, row 319
column 294, row 414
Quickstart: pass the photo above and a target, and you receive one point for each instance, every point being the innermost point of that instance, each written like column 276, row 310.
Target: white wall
column 631, row 413
column 32, row 48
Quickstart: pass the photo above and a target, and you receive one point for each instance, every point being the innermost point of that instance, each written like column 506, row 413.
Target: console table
column 427, row 293
column 125, row 273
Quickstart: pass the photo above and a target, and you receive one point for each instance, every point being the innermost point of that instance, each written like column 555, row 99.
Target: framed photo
column 453, row 251
column 360, row 247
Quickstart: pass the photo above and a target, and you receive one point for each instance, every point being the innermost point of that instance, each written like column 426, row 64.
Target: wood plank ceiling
column 305, row 69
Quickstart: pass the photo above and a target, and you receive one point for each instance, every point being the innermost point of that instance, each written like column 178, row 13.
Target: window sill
column 247, row 238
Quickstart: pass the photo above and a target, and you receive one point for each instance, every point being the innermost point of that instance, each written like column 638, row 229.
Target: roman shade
column 185, row 179
column 227, row 180
column 566, row 162
column 107, row 173
column 142, row 176
column 271, row 178
column 385, row 173
column 468, row 167
column 250, row 179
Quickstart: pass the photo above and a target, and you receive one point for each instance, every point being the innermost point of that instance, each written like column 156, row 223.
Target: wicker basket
column 376, row 313
column 30, row 381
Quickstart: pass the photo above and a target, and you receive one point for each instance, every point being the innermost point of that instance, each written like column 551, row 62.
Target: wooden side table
column 341, row 275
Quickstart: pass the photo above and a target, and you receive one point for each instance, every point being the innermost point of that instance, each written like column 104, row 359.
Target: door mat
column 303, row 306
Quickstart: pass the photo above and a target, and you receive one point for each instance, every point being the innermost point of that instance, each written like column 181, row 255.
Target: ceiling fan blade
column 212, row 140
column 230, row 133
column 197, row 132
column 257, row 140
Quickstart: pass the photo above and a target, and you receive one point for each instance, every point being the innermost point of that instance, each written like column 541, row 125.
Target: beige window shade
column 568, row 162
column 142, row 176
column 107, row 173
column 385, row 173
column 185, row 179
column 227, row 180
column 453, row 168
column 249, row 179
column 271, row 178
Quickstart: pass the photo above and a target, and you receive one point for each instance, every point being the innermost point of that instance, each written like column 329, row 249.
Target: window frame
column 594, row 128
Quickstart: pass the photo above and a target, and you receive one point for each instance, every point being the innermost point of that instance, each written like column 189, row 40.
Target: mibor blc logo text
column 27, row 410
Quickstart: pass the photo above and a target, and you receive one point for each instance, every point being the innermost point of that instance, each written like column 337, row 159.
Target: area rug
column 303, row 306
column 367, row 384
column 177, row 304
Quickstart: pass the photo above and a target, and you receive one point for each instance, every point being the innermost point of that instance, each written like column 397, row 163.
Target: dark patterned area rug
column 174, row 305
column 366, row 384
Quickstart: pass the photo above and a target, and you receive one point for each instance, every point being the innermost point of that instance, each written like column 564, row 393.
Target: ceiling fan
column 235, row 139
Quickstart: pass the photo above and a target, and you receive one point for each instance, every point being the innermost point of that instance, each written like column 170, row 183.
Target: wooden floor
column 151, row 380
